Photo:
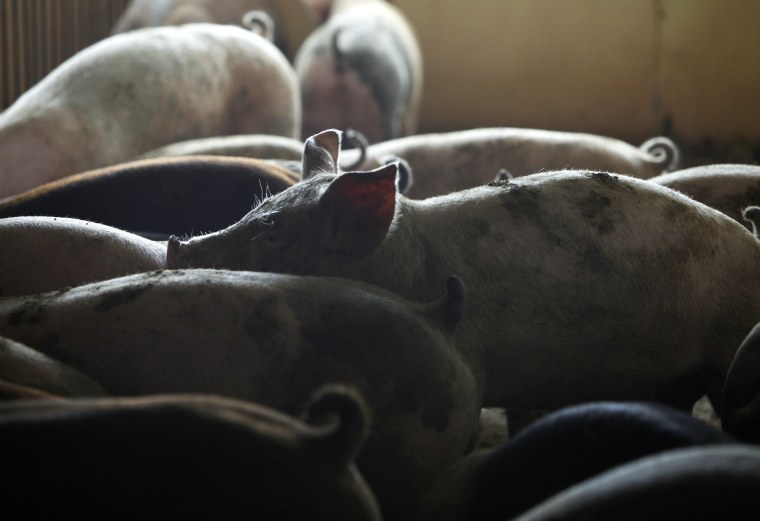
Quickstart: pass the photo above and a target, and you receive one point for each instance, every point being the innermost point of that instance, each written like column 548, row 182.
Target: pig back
column 592, row 271
column 158, row 197
column 729, row 188
column 133, row 92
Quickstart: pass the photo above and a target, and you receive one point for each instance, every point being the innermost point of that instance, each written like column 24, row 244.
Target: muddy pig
column 450, row 161
column 186, row 456
column 695, row 483
column 274, row 339
column 159, row 197
column 361, row 68
column 558, row 451
column 134, row 92
column 575, row 293
column 729, row 188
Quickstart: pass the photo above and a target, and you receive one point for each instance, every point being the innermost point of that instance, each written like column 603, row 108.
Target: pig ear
column 359, row 208
column 320, row 153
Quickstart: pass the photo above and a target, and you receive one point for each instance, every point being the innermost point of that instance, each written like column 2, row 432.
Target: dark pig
column 574, row 292
column 695, row 483
column 729, row 188
column 133, row 92
column 51, row 253
column 451, row 161
column 742, row 391
column 558, row 451
column 274, row 339
column 26, row 373
column 186, row 457
column 361, row 68
column 157, row 198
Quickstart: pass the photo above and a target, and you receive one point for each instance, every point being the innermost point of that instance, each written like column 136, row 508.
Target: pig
column 260, row 146
column 130, row 93
column 26, row 373
column 451, row 161
column 186, row 457
column 159, row 197
column 273, row 339
column 558, row 451
column 729, row 188
column 53, row 253
column 741, row 391
column 575, row 293
column 140, row 14
column 362, row 68
column 695, row 483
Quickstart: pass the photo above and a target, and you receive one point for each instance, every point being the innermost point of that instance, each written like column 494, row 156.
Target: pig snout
column 176, row 257
column 208, row 253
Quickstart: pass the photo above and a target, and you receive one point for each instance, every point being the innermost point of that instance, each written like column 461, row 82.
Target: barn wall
column 38, row 35
column 626, row 68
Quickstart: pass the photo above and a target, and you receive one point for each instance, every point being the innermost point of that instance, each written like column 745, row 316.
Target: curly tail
column 664, row 151
column 341, row 417
column 260, row 23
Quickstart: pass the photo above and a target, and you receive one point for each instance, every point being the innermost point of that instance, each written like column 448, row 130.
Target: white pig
column 51, row 253
column 361, row 69
column 450, row 161
column 140, row 14
column 575, row 290
column 134, row 92
column 729, row 188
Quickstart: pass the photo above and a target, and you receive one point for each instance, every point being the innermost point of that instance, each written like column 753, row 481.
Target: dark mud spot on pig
column 269, row 325
column 125, row 296
column 28, row 313
column 480, row 227
column 605, row 178
column 594, row 207
column 593, row 259
column 520, row 200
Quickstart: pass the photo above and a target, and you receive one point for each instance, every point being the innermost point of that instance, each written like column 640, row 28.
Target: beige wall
column 627, row 68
